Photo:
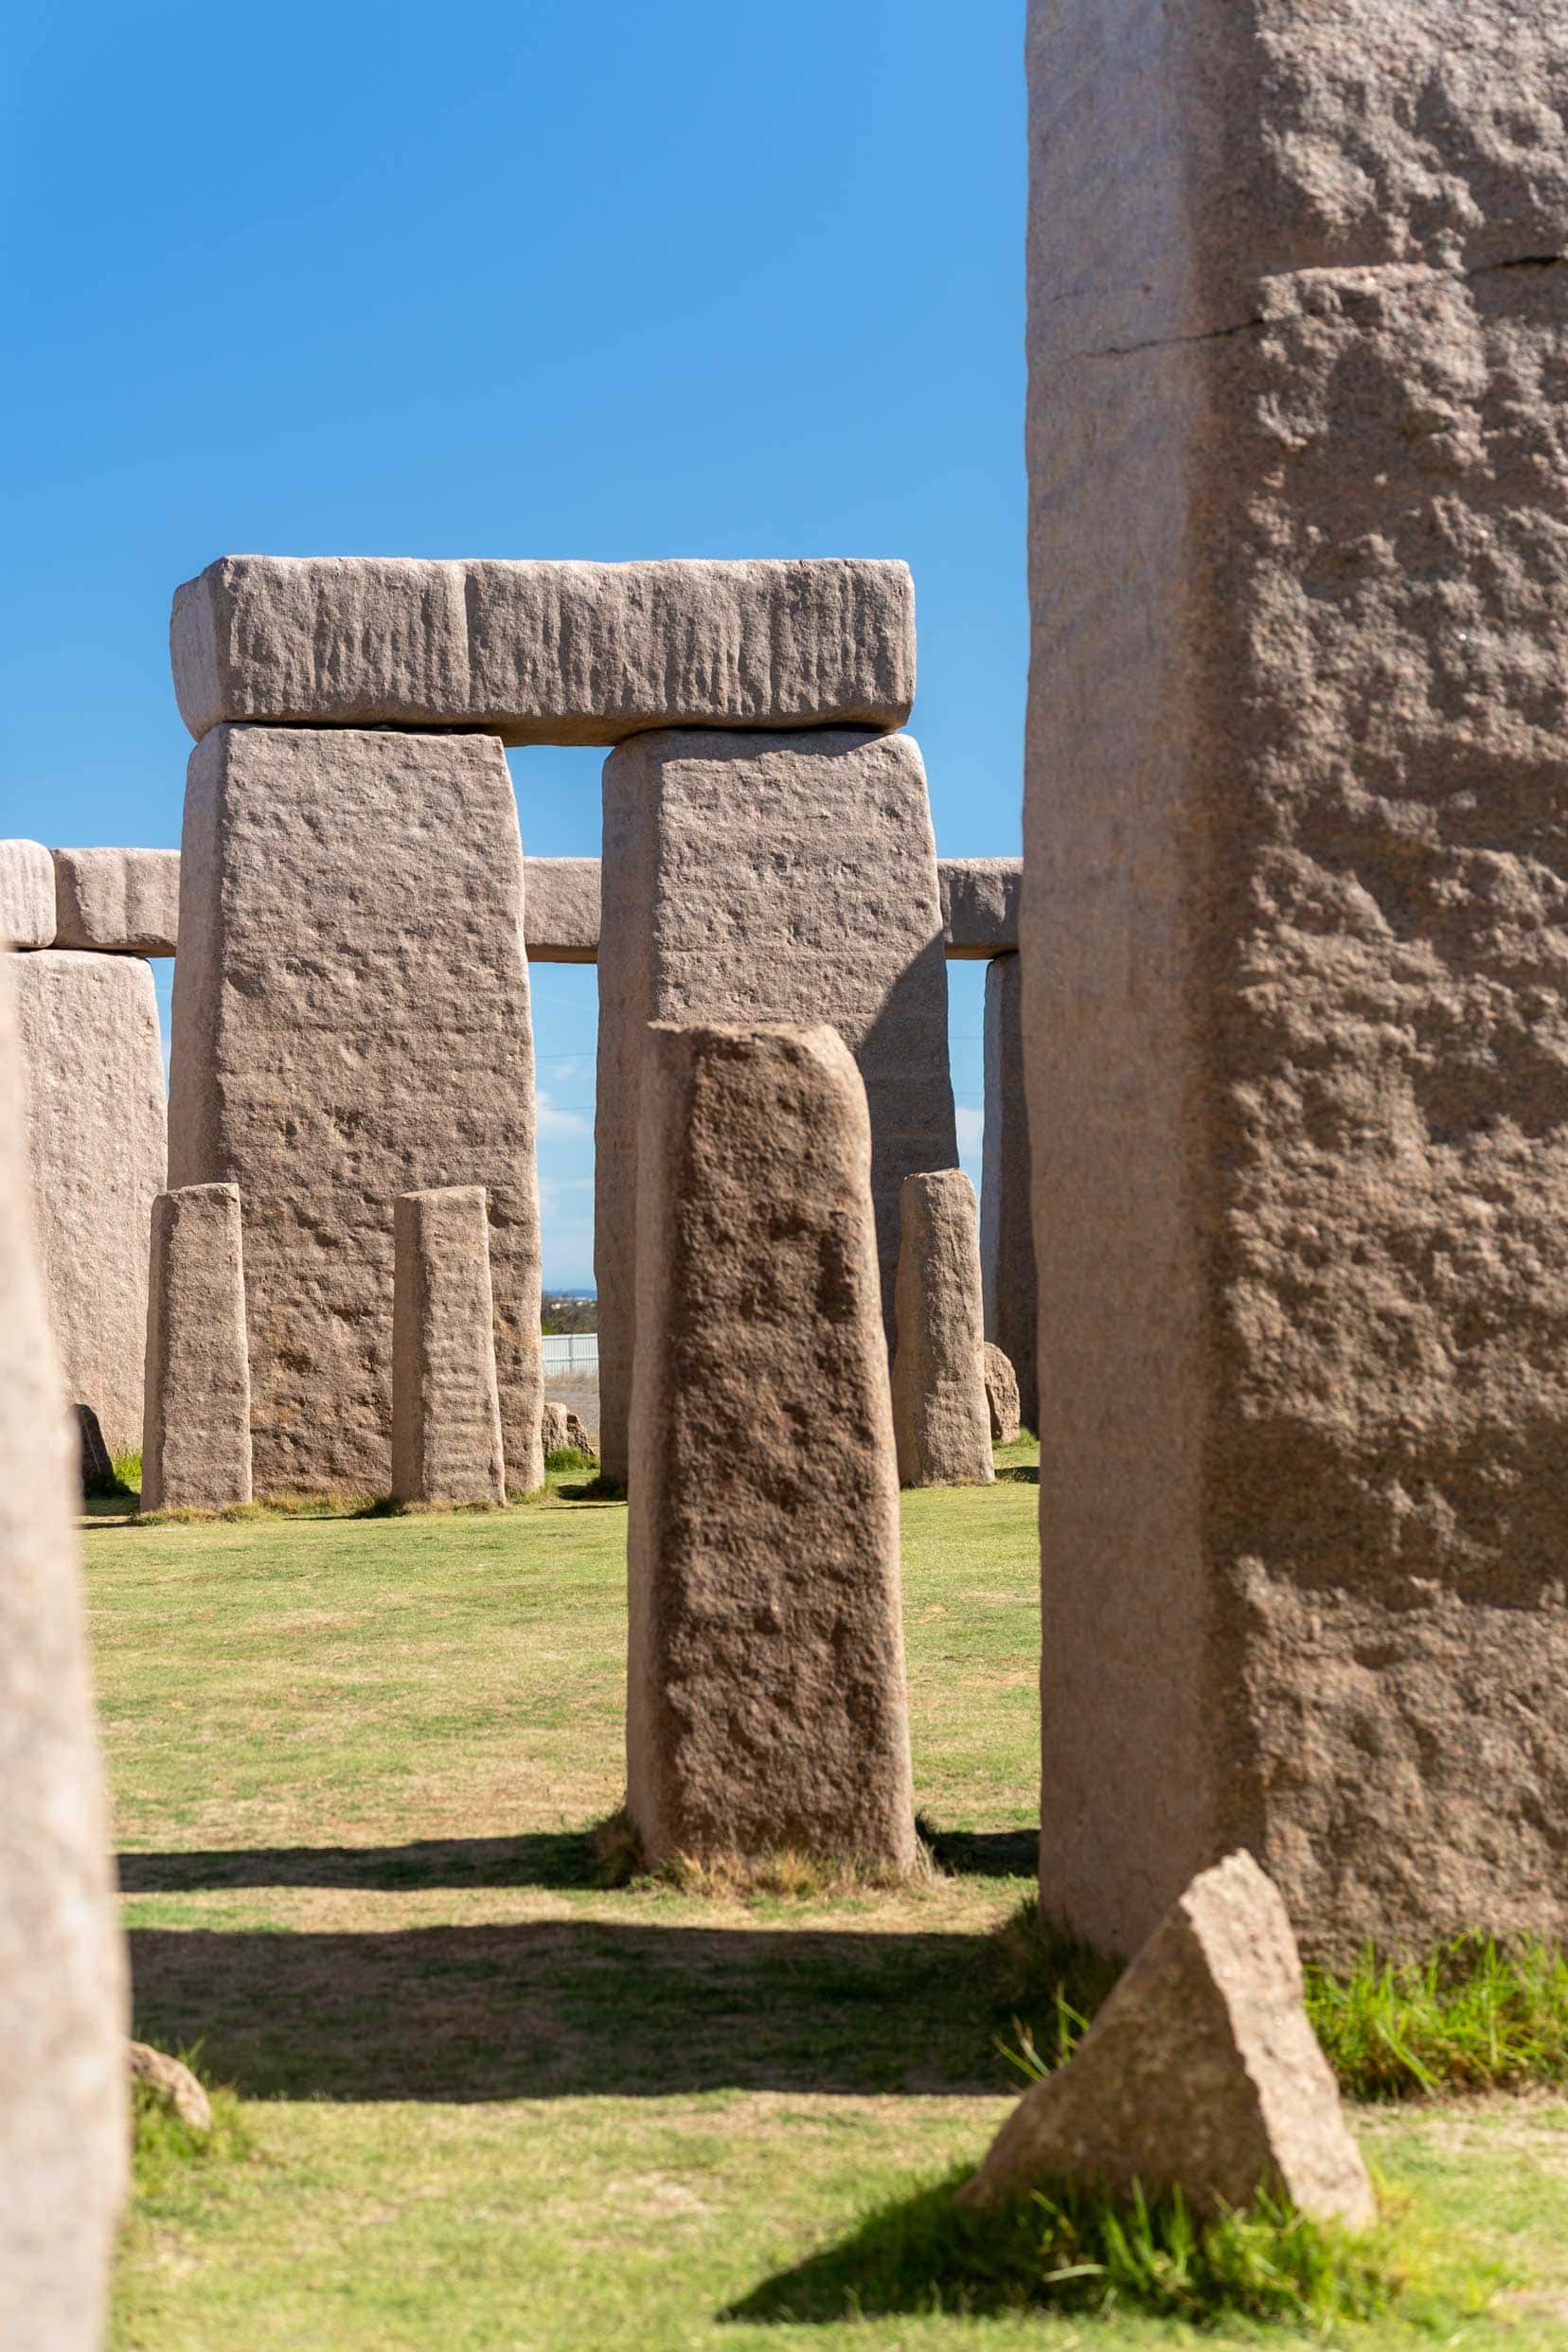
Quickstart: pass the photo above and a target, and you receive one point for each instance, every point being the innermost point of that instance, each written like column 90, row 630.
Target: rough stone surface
column 26, row 894
column 1001, row 1395
column 560, row 910
column 1295, row 959
column 124, row 901
column 62, row 2120
column 940, row 1414
column 351, row 1022
column 1201, row 2072
column 174, row 2083
column 446, row 1414
column 563, row 1427
column 544, row 652
column 766, row 1702
column 980, row 902
column 1006, row 1231
column 98, row 1471
column 196, row 1435
column 789, row 878
column 93, row 1090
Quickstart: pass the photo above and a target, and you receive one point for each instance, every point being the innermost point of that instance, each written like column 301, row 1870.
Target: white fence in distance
column 571, row 1351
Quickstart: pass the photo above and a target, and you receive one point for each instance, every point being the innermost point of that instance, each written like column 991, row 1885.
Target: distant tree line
column 564, row 1312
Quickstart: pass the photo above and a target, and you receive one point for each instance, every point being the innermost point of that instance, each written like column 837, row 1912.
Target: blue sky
column 647, row 278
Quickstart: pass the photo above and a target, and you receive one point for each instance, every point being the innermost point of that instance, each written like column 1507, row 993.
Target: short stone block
column 766, row 1698
column 560, row 910
column 26, row 894
column 980, row 903
column 118, row 901
column 940, row 1409
column 196, row 1438
column 1001, row 1395
column 446, row 1413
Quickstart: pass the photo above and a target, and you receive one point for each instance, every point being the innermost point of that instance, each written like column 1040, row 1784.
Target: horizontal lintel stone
column 26, row 894
column 980, row 899
column 544, row 652
column 117, row 901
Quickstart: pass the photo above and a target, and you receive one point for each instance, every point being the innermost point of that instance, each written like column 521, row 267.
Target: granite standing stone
column 1295, row 957
column 940, row 1413
column 1001, row 1395
column 1201, row 2072
column 560, row 910
column 776, row 878
column 544, row 652
column 26, row 894
column 980, row 903
column 196, row 1435
column 93, row 1074
column 446, row 1414
column 1006, row 1230
column 62, row 2107
column 117, row 901
column 351, row 1022
column 766, row 1704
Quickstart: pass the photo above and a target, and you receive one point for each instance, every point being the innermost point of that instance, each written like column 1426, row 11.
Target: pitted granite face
column 351, row 1022
column 544, row 652
column 117, row 901
column 446, row 1414
column 940, row 1414
column 196, row 1436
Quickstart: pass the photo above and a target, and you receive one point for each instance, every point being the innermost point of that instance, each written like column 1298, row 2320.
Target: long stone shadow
column 550, row 1859
column 573, row 2008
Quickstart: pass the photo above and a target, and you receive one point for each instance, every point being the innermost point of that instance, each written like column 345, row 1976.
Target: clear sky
column 509, row 277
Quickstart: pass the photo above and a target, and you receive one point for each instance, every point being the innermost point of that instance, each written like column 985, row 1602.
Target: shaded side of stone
column 97, row 1469
column 1001, row 1395
column 1294, row 963
column 117, row 901
column 560, row 910
column 351, row 1022
column 778, row 878
column 980, row 902
column 1201, row 2072
column 1007, row 1228
column 940, row 1413
column 196, row 1433
column 92, row 1062
column 26, row 894
column 544, row 652
column 446, row 1414
column 766, row 1699
column 63, row 2106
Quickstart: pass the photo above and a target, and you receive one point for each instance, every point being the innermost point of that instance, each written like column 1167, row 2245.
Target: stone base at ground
column 940, row 1414
column 446, row 1417
column 196, row 1434
column 564, row 1430
column 766, row 1705
column 1000, row 1396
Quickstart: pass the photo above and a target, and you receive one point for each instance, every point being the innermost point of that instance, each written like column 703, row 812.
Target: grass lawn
column 491, row 2104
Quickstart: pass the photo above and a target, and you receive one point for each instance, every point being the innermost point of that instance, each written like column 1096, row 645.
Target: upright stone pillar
column 941, row 1416
column 766, row 1705
column 196, row 1434
column 1006, row 1232
column 766, row 877
column 446, row 1415
column 93, row 1074
column 351, row 1023
column 62, row 2120
column 1296, row 958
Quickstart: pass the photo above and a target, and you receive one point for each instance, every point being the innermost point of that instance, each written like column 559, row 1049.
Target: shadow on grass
column 982, row 1853
column 563, row 1859
column 918, row 2255
column 567, row 2008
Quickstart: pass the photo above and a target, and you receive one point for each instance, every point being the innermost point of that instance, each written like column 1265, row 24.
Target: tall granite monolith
column 766, row 1705
column 96, row 1123
column 446, row 1414
column 62, row 2109
column 941, row 1416
column 1296, row 958
column 1006, row 1229
column 351, row 1022
column 196, row 1433
column 766, row 877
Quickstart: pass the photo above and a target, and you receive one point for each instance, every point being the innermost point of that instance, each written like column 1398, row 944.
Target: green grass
column 489, row 2102
column 1476, row 2016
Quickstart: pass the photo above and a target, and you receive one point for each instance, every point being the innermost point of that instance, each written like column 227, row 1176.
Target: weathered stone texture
column 1201, row 2072
column 791, row 877
column 560, row 910
column 94, row 1093
column 124, row 901
column 766, row 1701
column 980, row 903
column 563, row 1428
column 196, row 1436
column 1294, row 959
column 545, row 652
column 62, row 2120
column 940, row 1414
column 1006, row 1231
column 1001, row 1395
column 446, row 1414
column 351, row 1022
column 26, row 894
